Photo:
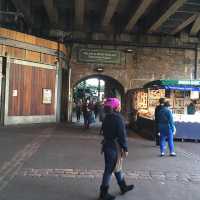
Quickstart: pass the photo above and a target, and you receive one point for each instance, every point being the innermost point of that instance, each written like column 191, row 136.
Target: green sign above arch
column 101, row 56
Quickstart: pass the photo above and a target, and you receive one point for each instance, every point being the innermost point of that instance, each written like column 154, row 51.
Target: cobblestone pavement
column 10, row 169
column 137, row 175
column 67, row 154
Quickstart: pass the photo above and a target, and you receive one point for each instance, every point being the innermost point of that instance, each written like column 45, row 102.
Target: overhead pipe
column 7, row 16
column 196, row 62
column 128, row 44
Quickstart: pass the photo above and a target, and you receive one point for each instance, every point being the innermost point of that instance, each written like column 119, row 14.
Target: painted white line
column 11, row 168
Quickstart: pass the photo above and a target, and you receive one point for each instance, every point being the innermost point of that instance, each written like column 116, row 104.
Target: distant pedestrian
column 114, row 147
column 78, row 110
column 86, row 114
column 167, row 129
column 91, row 112
column 96, row 109
column 157, row 109
column 101, row 112
column 191, row 109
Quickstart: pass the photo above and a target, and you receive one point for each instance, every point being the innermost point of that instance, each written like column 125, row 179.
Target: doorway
column 93, row 90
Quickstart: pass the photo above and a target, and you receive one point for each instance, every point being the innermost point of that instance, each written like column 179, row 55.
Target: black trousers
column 157, row 138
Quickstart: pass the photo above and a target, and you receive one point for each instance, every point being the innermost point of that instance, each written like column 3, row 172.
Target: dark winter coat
column 157, row 109
column 114, row 130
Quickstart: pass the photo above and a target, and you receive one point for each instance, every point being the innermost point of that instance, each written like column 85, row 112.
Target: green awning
column 181, row 84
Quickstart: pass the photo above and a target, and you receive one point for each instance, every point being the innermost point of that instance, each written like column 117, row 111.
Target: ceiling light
column 129, row 50
column 99, row 69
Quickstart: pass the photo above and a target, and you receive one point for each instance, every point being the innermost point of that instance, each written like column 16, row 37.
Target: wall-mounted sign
column 47, row 96
column 194, row 94
column 99, row 56
column 14, row 94
column 189, row 82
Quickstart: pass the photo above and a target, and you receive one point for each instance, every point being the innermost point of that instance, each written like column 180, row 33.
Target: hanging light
column 99, row 68
column 128, row 50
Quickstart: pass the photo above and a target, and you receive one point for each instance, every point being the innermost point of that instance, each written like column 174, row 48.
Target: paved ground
column 58, row 162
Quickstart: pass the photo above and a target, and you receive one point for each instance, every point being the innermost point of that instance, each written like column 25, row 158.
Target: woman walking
column 114, row 147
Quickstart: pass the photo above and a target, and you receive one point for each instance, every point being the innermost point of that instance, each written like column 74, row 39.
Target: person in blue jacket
column 167, row 129
column 114, row 147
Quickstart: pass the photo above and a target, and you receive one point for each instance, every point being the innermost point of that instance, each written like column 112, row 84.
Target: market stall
column 184, row 99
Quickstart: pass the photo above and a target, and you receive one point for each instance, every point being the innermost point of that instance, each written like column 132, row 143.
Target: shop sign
column 14, row 93
column 47, row 96
column 194, row 95
column 99, row 56
column 181, row 82
column 189, row 82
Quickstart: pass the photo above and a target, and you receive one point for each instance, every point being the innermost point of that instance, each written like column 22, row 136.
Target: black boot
column 104, row 195
column 125, row 188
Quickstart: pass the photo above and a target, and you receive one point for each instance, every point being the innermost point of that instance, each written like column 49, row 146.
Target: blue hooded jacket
column 165, row 121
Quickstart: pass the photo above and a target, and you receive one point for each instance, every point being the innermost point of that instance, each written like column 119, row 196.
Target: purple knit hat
column 112, row 102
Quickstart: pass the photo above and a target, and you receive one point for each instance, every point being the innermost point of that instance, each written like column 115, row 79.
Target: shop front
column 184, row 99
column 32, row 87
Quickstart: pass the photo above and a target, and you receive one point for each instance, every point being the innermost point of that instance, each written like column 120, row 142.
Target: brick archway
column 111, row 84
column 115, row 82
column 101, row 76
column 77, row 79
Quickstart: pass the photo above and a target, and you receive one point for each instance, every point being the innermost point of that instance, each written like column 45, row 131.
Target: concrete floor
column 58, row 162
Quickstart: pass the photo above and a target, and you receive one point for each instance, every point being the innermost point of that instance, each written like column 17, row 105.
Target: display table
column 187, row 127
column 146, row 127
column 184, row 98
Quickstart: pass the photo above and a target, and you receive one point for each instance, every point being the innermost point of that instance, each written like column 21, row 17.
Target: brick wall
column 141, row 66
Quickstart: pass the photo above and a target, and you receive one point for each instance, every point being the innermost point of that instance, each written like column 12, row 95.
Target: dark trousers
column 86, row 117
column 110, row 157
column 96, row 114
column 78, row 115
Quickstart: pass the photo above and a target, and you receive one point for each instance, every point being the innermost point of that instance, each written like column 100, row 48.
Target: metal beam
column 51, row 11
column 25, row 8
column 3, row 5
column 184, row 24
column 111, row 7
column 9, row 17
column 79, row 13
column 196, row 27
column 9, row 13
column 139, row 12
column 188, row 46
column 170, row 11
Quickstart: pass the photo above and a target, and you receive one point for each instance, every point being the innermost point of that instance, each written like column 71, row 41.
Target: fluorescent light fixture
column 99, row 69
column 128, row 50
